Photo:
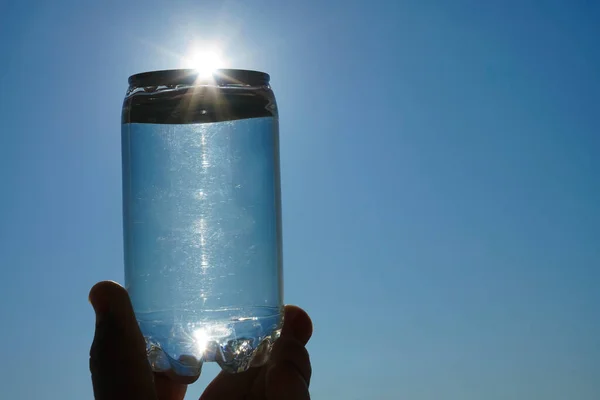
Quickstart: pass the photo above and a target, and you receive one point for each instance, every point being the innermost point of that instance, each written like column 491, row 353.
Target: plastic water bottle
column 202, row 217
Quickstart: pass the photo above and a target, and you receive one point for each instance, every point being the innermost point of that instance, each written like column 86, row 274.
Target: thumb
column 118, row 362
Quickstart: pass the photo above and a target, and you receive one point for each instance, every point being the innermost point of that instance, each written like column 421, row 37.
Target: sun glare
column 208, row 333
column 201, row 339
column 204, row 61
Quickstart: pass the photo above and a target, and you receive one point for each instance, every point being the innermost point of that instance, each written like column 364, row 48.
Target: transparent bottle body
column 202, row 228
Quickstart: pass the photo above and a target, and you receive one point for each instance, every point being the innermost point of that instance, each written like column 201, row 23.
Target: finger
column 297, row 323
column 283, row 382
column 118, row 363
column 166, row 389
column 230, row 386
column 289, row 370
column 292, row 354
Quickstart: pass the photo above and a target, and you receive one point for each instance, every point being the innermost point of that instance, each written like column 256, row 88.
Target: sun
column 205, row 62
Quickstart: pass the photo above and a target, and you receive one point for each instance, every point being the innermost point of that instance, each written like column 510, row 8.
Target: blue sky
column 441, row 185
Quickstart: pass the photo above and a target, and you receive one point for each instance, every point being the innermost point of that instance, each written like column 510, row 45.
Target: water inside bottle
column 203, row 241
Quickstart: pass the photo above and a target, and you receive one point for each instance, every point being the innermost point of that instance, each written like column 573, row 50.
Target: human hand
column 120, row 369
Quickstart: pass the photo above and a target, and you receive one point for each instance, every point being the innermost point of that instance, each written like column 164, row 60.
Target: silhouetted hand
column 120, row 370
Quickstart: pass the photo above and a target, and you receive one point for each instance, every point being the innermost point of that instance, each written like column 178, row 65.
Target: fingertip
column 108, row 296
column 102, row 293
column 103, row 288
column 297, row 323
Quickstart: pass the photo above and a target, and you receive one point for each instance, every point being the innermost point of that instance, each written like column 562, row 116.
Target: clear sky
column 441, row 185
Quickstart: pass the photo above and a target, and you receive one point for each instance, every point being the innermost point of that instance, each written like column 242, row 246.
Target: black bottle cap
column 190, row 76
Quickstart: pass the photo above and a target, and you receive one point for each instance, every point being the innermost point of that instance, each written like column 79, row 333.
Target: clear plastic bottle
column 202, row 217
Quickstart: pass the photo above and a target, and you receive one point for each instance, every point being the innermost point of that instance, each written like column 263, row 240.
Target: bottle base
column 180, row 350
column 233, row 357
